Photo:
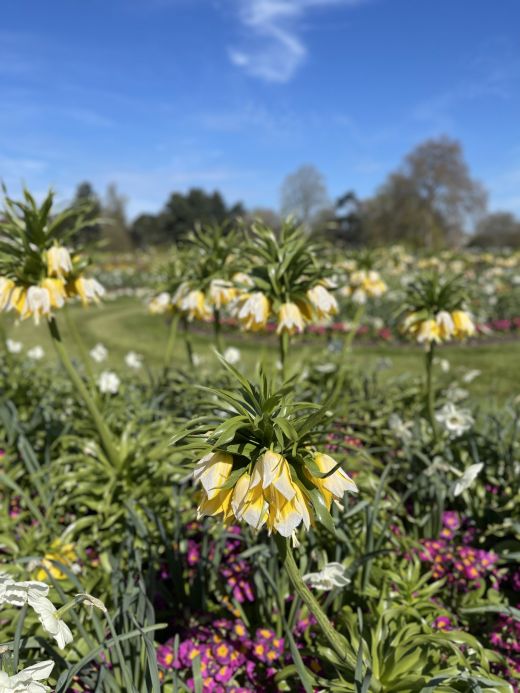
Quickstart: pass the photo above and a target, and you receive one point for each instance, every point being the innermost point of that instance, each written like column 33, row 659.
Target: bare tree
column 304, row 194
column 432, row 200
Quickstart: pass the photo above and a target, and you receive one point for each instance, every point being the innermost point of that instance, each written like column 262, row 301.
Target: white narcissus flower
column 467, row 478
column 232, row 355
column 455, row 421
column 48, row 616
column 471, row 375
column 400, row 428
column 134, row 360
column 36, row 353
column 20, row 593
column 13, row 347
column 99, row 353
column 332, row 575
column 108, row 383
column 27, row 680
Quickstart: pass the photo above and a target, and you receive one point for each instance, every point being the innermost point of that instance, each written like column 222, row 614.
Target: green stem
column 347, row 345
column 217, row 325
column 283, row 345
column 430, row 389
column 104, row 433
column 336, row 640
column 71, row 326
column 187, row 341
column 172, row 338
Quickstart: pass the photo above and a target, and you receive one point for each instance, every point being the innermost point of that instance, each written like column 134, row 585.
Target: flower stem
column 336, row 640
column 187, row 341
column 283, row 345
column 172, row 338
column 347, row 345
column 430, row 390
column 217, row 325
column 71, row 326
column 104, row 433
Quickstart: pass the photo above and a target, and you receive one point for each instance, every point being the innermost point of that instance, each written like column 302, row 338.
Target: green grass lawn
column 125, row 325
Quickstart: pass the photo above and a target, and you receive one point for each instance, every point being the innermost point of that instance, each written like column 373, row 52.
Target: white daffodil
column 332, row 575
column 36, row 353
column 13, row 347
column 108, row 383
column 232, row 355
column 400, row 428
column 51, row 622
column 134, row 360
column 28, row 680
column 455, row 421
column 471, row 375
column 21, row 593
column 467, row 478
column 99, row 353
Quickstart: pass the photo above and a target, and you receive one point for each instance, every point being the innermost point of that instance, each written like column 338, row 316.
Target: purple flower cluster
column 462, row 565
column 505, row 638
column 235, row 570
column 230, row 658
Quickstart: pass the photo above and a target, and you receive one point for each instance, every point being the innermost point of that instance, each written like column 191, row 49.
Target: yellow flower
column 290, row 319
column 253, row 311
column 285, row 516
column 59, row 263
column 464, row 325
column 89, row 290
column 6, row 288
column 35, row 301
column 249, row 504
column 160, row 304
column 194, row 305
column 272, row 470
column 221, row 293
column 428, row 331
column 212, row 471
column 322, row 301
column 445, row 324
column 61, row 553
column 335, row 485
column 56, row 289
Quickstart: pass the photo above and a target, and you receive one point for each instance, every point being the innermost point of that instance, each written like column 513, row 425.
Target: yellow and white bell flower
column 35, row 302
column 290, row 319
column 6, row 289
column 89, row 290
column 285, row 516
column 464, row 325
column 56, row 289
column 428, row 331
column 194, row 306
column 272, row 470
column 253, row 311
column 59, row 263
column 445, row 324
column 212, row 471
column 221, row 293
column 322, row 301
column 160, row 304
column 334, row 486
column 249, row 504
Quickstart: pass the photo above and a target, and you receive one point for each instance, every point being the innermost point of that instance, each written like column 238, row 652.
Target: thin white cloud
column 274, row 49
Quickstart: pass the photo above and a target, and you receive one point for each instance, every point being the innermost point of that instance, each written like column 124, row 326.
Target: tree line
column 430, row 201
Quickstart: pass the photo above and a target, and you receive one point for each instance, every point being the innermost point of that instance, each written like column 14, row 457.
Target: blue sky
column 163, row 95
